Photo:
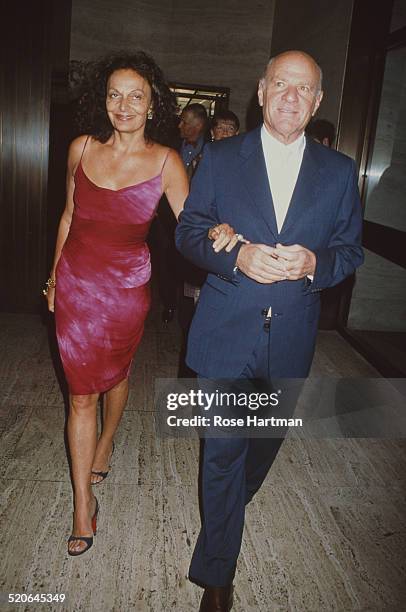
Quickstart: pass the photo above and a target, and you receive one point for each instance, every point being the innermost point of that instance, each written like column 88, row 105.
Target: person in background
column 193, row 130
column 322, row 131
column 224, row 124
column 192, row 127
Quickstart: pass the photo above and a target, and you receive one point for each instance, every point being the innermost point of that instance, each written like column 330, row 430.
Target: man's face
column 190, row 127
column 289, row 95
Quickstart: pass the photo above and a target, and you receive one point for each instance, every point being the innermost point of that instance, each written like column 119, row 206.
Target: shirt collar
column 275, row 146
column 197, row 146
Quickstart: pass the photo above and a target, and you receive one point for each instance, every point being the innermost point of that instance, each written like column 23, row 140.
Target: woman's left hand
column 224, row 236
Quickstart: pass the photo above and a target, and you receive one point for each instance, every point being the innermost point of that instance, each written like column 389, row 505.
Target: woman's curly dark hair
column 92, row 116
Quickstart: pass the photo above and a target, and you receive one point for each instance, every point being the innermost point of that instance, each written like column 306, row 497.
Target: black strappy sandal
column 88, row 540
column 102, row 474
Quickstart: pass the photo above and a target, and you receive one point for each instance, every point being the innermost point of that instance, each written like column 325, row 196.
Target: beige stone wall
column 215, row 42
column 321, row 28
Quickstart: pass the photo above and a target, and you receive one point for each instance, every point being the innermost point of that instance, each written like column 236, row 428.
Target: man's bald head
column 294, row 54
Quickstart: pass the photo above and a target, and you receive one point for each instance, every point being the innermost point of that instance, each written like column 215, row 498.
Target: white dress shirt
column 282, row 165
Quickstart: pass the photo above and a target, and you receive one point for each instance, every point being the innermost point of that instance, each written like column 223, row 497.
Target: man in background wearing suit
column 297, row 203
column 192, row 133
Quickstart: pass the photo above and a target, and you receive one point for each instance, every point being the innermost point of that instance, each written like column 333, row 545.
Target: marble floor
column 326, row 531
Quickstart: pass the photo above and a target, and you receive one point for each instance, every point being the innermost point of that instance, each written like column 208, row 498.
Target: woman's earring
column 150, row 113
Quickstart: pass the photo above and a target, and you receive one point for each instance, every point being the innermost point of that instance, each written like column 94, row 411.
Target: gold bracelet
column 50, row 284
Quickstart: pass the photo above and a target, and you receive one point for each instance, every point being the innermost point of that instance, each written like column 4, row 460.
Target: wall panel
column 322, row 29
column 35, row 53
column 25, row 96
column 224, row 43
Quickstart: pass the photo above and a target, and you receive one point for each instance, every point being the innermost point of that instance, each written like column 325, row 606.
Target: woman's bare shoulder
column 163, row 152
column 77, row 145
column 173, row 171
column 160, row 151
column 166, row 156
column 76, row 149
column 172, row 158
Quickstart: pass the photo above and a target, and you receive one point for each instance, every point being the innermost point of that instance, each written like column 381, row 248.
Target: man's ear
column 319, row 98
column 261, row 92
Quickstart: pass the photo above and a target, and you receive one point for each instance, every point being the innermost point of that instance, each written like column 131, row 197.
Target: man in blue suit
column 297, row 203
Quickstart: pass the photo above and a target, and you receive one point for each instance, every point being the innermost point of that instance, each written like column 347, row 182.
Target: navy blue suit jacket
column 231, row 185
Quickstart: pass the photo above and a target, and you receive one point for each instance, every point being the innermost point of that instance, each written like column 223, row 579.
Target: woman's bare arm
column 75, row 152
column 176, row 188
column 175, row 182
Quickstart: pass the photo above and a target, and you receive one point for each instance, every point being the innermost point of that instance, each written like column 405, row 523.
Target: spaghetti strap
column 84, row 147
column 166, row 157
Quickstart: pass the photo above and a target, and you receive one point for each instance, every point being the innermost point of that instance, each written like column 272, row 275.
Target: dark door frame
column 370, row 40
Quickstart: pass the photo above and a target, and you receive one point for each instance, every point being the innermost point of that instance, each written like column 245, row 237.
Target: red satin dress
column 102, row 294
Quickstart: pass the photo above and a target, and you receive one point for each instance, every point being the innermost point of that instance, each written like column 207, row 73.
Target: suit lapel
column 255, row 178
column 307, row 185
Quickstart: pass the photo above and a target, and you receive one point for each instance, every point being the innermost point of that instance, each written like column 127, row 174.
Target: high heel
column 88, row 540
column 102, row 474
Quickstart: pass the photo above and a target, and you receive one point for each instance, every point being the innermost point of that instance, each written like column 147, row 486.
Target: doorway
column 376, row 322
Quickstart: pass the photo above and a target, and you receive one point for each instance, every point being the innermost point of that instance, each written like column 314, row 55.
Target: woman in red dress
column 98, row 286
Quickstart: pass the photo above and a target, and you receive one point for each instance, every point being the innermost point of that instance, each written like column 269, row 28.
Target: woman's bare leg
column 82, row 436
column 114, row 403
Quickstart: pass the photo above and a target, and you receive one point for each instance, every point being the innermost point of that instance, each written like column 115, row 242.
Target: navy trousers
column 232, row 471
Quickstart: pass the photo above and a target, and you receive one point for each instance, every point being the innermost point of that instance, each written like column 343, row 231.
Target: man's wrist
column 312, row 270
column 238, row 259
